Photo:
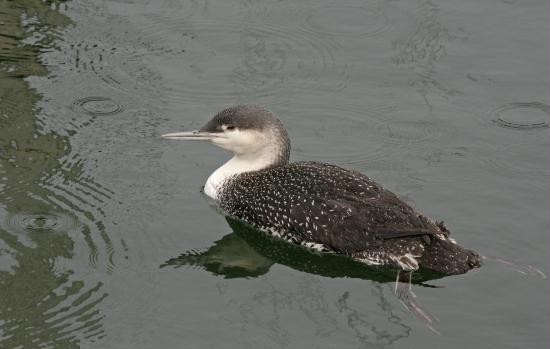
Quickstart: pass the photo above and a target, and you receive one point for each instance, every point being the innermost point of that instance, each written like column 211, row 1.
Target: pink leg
column 403, row 291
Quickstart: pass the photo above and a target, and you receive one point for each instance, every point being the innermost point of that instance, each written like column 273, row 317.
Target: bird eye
column 230, row 128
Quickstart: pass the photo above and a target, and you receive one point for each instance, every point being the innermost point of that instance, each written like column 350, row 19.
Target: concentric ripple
column 226, row 62
column 521, row 116
column 98, row 106
column 41, row 222
column 368, row 19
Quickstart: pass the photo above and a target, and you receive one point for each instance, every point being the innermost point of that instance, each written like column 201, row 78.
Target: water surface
column 107, row 242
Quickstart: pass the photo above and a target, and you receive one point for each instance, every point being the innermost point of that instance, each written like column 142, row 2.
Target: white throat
column 237, row 165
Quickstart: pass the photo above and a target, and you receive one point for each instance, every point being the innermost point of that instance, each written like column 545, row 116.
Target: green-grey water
column 107, row 242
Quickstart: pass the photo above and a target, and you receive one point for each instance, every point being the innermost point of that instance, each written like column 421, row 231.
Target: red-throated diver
column 317, row 205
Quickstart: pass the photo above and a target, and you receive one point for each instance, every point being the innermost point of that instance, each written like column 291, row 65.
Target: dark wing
column 342, row 209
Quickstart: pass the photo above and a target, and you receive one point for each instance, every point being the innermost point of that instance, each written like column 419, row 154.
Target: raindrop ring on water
column 98, row 106
column 40, row 222
column 521, row 116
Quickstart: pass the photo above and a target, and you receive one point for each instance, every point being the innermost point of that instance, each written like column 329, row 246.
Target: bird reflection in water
column 249, row 253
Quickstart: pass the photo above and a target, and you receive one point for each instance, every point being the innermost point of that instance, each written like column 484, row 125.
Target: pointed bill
column 191, row 135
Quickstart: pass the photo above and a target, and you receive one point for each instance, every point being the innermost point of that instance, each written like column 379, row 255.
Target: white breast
column 236, row 165
column 210, row 188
